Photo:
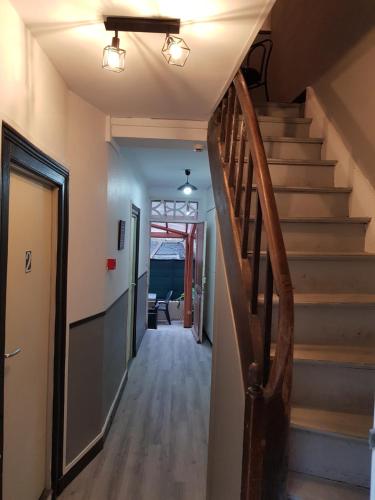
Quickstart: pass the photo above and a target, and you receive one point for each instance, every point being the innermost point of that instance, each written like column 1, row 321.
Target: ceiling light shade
column 175, row 50
column 187, row 188
column 113, row 56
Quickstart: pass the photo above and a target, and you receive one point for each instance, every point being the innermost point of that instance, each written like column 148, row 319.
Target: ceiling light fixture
column 187, row 188
column 113, row 56
column 175, row 50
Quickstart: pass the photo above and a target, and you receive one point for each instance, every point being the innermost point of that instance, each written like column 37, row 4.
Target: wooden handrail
column 275, row 240
column 234, row 129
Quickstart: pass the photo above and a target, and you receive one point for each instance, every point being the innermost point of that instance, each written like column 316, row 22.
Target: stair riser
column 310, row 204
column 284, row 129
column 331, row 457
column 331, row 324
column 302, row 175
column 279, row 111
column 319, row 236
column 293, row 150
column 330, row 276
column 333, row 387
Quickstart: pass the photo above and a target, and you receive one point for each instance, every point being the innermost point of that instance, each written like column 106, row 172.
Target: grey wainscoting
column 96, row 368
column 141, row 321
column 114, row 350
column 85, row 385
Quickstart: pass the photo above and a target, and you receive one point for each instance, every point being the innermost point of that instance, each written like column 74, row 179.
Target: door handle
column 11, row 354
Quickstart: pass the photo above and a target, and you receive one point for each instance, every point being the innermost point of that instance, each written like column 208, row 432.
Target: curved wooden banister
column 275, row 240
column 233, row 131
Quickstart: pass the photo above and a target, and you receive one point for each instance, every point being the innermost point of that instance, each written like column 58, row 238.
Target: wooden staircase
column 332, row 400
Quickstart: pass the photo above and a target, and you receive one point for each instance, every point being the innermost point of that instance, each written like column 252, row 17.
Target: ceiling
column 162, row 164
column 218, row 32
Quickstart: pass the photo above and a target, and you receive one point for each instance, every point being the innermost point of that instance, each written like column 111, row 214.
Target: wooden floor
column 157, row 447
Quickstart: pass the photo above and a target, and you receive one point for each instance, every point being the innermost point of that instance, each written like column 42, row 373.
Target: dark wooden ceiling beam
column 142, row 24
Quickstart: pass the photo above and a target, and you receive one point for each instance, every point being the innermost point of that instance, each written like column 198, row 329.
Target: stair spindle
column 256, row 257
column 268, row 296
column 229, row 124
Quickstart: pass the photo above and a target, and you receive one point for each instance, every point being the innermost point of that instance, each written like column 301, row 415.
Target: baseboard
column 97, row 444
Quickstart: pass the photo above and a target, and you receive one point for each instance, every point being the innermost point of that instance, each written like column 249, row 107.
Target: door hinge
column 371, row 439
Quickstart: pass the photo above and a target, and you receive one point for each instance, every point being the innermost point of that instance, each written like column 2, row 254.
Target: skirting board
column 90, row 452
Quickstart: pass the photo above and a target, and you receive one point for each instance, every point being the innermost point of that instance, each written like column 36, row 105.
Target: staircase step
column 335, row 378
column 332, row 319
column 320, row 234
column 310, row 201
column 328, row 272
column 293, row 147
column 279, row 109
column 306, row 487
column 302, row 172
column 332, row 445
column 284, row 126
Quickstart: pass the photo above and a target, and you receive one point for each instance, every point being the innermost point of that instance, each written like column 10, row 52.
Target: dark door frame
column 19, row 152
column 136, row 212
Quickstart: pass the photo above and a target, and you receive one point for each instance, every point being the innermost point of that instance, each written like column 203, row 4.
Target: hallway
column 157, row 446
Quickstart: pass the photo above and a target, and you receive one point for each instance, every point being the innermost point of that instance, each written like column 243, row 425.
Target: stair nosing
column 321, row 299
column 307, row 140
column 363, row 437
column 300, row 477
column 323, row 255
column 311, row 189
column 284, row 119
column 296, row 161
column 278, row 104
column 323, row 220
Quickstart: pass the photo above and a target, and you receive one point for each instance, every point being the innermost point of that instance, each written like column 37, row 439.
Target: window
column 174, row 210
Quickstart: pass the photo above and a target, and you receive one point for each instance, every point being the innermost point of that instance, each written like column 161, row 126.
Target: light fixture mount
column 187, row 188
column 175, row 50
column 143, row 24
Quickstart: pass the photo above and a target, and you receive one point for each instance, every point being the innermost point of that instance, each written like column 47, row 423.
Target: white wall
column 33, row 97
column 125, row 187
column 88, row 165
column 342, row 105
column 227, row 397
column 208, row 319
column 35, row 100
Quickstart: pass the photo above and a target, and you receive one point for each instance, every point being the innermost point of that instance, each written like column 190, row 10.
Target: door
column 28, row 340
column 133, row 278
column 199, row 280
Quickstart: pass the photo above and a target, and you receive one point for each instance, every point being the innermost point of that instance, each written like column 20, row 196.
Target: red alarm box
column 111, row 264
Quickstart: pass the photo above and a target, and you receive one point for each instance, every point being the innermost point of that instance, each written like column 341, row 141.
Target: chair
column 163, row 305
column 257, row 76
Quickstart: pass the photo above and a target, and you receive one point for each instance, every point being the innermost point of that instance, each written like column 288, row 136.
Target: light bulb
column 187, row 190
column 175, row 51
column 113, row 59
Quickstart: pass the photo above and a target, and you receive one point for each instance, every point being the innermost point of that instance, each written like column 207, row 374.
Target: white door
column 31, row 261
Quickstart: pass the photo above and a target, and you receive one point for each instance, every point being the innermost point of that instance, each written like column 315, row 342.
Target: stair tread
column 283, row 119
column 292, row 161
column 277, row 138
column 312, row 189
column 338, row 354
column 278, row 104
column 331, row 422
column 324, row 255
column 306, row 487
column 326, row 220
column 329, row 298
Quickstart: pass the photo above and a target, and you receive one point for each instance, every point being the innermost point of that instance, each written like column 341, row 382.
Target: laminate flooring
column 157, row 446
